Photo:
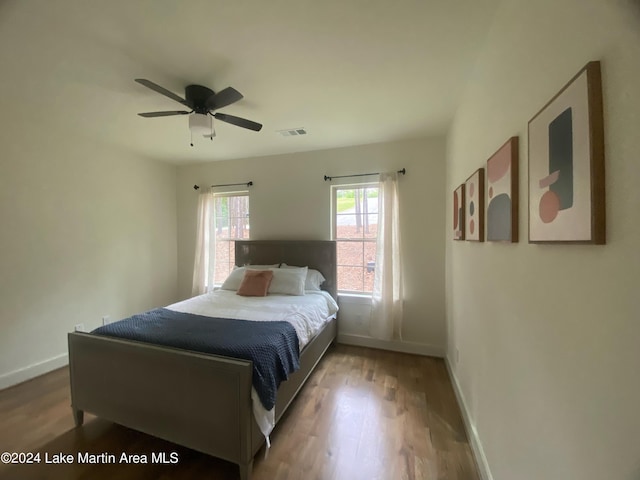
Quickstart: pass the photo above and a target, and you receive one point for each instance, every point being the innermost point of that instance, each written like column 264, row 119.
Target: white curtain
column 204, row 264
column 386, row 310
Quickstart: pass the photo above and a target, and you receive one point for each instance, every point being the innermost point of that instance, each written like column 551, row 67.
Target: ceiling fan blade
column 223, row 98
column 240, row 122
column 161, row 90
column 164, row 114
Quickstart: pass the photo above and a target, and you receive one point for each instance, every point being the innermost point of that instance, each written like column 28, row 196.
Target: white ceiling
column 349, row 71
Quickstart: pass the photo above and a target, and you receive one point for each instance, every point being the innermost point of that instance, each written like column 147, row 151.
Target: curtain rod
column 403, row 172
column 248, row 184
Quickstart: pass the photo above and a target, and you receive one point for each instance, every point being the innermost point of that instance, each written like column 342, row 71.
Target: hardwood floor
column 363, row 414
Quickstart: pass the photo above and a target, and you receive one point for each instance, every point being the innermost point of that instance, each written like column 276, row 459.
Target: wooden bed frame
column 197, row 400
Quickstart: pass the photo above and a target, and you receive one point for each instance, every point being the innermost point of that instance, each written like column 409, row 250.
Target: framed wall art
column 458, row 213
column 566, row 164
column 474, row 206
column 502, row 193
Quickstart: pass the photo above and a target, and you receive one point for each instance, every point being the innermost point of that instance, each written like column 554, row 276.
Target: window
column 355, row 227
column 231, row 223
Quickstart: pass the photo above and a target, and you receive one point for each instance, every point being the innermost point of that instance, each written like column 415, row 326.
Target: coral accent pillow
column 255, row 283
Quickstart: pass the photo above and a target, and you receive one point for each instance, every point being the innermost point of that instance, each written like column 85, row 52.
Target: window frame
column 334, row 218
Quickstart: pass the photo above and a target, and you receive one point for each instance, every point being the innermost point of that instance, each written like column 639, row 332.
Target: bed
column 201, row 401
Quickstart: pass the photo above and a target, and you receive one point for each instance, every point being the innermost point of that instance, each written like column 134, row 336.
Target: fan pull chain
column 191, row 138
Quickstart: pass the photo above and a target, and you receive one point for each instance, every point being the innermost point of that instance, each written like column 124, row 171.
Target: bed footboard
column 199, row 401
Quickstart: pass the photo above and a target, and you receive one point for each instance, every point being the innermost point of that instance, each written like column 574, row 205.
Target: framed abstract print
column 458, row 213
column 474, row 206
column 502, row 194
column 566, row 164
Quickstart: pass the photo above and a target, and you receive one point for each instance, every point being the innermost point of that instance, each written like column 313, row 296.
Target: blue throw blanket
column 271, row 346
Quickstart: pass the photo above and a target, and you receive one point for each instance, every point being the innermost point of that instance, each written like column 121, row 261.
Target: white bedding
column 307, row 313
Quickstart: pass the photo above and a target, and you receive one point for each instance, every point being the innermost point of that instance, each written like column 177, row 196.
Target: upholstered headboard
column 318, row 254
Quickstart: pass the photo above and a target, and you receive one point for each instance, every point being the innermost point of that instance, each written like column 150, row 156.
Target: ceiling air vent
column 292, row 132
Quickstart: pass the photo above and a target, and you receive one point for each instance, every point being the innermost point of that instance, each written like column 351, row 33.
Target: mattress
column 307, row 313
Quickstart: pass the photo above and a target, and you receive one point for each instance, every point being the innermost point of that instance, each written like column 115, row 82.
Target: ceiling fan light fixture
column 200, row 124
column 203, row 102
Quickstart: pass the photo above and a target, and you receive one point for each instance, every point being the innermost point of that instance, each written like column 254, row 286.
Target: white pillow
column 257, row 267
column 314, row 278
column 233, row 281
column 288, row 281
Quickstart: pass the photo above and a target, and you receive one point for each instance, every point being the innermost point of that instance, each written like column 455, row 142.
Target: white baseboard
column 27, row 373
column 393, row 345
column 472, row 433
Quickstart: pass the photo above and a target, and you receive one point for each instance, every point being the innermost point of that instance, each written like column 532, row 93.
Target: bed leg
column 245, row 470
column 78, row 416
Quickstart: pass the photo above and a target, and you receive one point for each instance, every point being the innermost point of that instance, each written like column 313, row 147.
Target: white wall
column 547, row 334
column 87, row 228
column 290, row 200
column 85, row 231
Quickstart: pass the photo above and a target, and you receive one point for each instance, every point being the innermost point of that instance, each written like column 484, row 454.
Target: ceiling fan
column 202, row 102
